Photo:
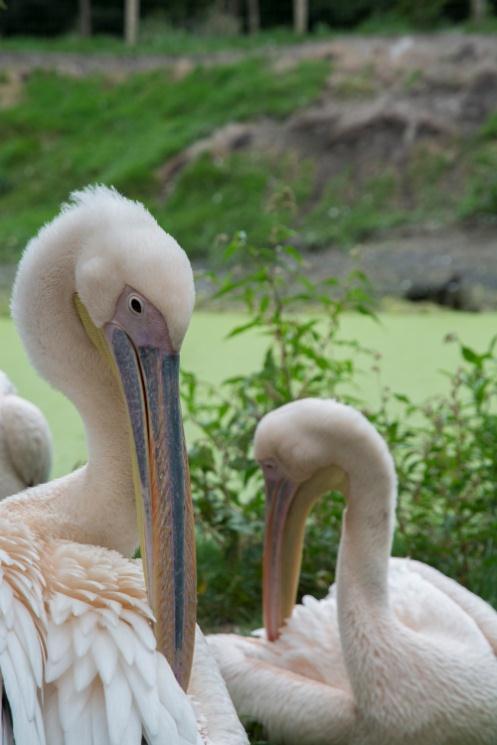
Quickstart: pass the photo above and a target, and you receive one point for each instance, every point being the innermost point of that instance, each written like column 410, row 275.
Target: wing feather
column 22, row 631
column 105, row 652
column 118, row 701
column 85, row 670
column 100, row 730
column 102, row 663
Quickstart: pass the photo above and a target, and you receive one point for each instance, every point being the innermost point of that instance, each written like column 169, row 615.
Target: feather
column 117, row 703
column 104, row 653
column 84, row 671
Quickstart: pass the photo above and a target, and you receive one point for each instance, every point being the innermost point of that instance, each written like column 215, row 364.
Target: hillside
column 389, row 142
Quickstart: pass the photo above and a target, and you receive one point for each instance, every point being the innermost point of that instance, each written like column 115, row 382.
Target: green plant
column 303, row 357
column 447, row 467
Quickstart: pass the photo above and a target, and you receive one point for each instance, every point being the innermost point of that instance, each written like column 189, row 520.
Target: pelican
column 397, row 653
column 102, row 300
column 25, row 442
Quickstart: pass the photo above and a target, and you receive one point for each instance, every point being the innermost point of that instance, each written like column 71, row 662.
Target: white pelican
column 397, row 653
column 102, row 300
column 25, row 442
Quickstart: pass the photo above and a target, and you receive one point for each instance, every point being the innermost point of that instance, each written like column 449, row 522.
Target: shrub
column 303, row 357
column 444, row 449
column 447, row 466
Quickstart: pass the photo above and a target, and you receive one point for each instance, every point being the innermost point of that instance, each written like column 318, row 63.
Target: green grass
column 216, row 197
column 411, row 345
column 480, row 196
column 163, row 39
column 66, row 133
column 158, row 37
column 345, row 214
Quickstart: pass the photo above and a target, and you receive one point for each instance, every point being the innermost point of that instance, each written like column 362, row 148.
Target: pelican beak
column 288, row 504
column 283, row 543
column 147, row 366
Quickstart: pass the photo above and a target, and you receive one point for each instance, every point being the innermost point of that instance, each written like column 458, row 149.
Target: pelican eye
column 135, row 305
column 270, row 469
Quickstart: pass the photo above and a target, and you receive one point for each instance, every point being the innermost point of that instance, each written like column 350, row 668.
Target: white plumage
column 106, row 681
column 25, row 442
column 397, row 653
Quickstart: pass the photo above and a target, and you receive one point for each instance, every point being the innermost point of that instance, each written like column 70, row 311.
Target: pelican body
column 397, row 653
column 25, row 442
column 92, row 650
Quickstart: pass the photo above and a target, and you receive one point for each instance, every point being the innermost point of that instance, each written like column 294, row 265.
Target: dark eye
column 135, row 305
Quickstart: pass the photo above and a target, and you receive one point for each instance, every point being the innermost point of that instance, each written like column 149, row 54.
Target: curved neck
column 366, row 541
column 366, row 623
column 95, row 504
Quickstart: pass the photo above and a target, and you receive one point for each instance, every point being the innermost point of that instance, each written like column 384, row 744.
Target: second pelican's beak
column 147, row 367
column 288, row 504
column 283, row 543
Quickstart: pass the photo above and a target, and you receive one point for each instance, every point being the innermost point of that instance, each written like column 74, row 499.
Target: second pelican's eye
column 270, row 468
column 135, row 305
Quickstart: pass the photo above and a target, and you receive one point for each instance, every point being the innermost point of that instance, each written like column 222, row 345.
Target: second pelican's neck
column 367, row 531
column 367, row 625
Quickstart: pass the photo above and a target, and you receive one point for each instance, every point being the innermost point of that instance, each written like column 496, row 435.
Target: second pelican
column 398, row 653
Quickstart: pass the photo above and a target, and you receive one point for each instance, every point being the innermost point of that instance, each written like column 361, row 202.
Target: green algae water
column 411, row 345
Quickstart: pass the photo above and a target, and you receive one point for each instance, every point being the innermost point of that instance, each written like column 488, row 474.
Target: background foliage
column 49, row 17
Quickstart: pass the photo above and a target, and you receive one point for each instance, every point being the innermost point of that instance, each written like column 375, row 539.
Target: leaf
column 229, row 287
column 243, row 328
column 471, row 356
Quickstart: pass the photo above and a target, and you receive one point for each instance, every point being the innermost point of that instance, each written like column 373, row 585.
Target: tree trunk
column 234, row 8
column 300, row 16
column 85, row 17
column 254, row 16
column 131, row 21
column 478, row 10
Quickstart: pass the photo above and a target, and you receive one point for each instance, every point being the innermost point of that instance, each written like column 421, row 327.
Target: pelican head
column 305, row 448
column 102, row 299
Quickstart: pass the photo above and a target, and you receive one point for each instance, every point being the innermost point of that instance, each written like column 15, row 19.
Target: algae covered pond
column 412, row 348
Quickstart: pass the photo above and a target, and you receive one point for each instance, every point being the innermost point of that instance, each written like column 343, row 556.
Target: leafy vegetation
column 480, row 198
column 444, row 448
column 445, row 454
column 303, row 357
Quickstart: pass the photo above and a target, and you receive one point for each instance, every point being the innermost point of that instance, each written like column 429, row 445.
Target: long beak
column 149, row 375
column 283, row 543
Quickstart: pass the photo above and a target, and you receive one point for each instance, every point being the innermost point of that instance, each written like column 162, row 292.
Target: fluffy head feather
column 117, row 242
column 122, row 244
column 99, row 243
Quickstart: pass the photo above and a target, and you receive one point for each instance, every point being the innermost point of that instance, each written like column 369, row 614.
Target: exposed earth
column 385, row 99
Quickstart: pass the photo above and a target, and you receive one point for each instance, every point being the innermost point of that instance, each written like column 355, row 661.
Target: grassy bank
column 412, row 349
column 62, row 133
column 159, row 37
column 65, row 133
